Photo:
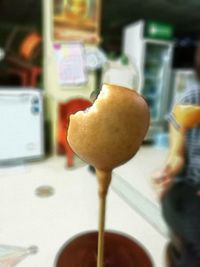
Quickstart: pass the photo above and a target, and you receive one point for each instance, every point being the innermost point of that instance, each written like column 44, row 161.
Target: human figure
column 178, row 182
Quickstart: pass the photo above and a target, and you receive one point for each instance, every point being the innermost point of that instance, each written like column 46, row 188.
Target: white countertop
column 26, row 219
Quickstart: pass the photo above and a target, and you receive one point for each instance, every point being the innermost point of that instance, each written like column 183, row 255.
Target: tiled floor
column 26, row 219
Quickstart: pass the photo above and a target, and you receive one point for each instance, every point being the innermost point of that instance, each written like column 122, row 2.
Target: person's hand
column 162, row 180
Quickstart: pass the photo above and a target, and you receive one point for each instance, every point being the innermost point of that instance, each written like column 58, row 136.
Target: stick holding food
column 107, row 135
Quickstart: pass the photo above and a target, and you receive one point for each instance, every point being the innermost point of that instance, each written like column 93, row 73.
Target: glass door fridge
column 153, row 57
column 156, row 75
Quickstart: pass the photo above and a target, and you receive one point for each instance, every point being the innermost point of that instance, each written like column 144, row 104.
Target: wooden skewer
column 104, row 179
column 102, row 208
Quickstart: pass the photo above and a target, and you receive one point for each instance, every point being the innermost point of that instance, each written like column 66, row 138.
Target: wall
column 53, row 92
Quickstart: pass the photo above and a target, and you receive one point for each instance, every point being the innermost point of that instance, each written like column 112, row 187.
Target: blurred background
column 54, row 57
column 43, row 45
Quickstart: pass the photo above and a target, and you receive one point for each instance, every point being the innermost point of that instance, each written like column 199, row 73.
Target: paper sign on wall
column 70, row 64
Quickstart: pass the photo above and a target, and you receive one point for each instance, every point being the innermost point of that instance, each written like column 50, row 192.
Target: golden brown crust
column 113, row 130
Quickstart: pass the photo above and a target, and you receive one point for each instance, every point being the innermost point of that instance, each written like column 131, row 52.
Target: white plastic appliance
column 21, row 124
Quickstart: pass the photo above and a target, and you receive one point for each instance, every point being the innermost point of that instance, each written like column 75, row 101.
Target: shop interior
column 54, row 57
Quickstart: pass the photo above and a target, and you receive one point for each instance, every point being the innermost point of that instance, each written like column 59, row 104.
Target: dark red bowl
column 119, row 251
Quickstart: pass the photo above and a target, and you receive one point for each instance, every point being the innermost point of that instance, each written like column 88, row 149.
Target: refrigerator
column 152, row 54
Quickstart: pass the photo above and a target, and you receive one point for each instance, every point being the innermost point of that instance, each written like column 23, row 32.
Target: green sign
column 157, row 30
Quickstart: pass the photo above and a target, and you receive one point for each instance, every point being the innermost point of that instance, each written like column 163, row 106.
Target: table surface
column 26, row 219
